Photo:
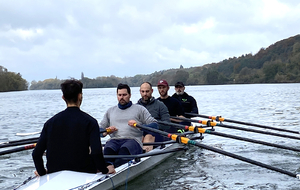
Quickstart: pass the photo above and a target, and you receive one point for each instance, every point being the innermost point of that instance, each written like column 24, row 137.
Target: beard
column 123, row 102
column 179, row 93
column 146, row 98
column 163, row 94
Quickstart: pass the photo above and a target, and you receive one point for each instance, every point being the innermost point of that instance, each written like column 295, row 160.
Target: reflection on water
column 276, row 105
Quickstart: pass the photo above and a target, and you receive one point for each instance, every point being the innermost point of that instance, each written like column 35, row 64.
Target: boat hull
column 75, row 180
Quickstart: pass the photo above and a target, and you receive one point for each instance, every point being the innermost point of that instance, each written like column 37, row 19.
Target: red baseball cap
column 162, row 83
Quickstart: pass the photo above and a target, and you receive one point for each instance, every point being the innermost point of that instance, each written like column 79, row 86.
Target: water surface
column 276, row 105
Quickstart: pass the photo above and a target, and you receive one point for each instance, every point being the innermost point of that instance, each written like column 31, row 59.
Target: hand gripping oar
column 202, row 130
column 212, row 123
column 219, row 118
column 185, row 140
column 18, row 149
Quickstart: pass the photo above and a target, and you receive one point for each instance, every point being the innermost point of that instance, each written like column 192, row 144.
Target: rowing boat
column 124, row 173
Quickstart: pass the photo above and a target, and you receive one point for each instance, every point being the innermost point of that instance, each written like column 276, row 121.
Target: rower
column 188, row 102
column 157, row 109
column 173, row 105
column 125, row 139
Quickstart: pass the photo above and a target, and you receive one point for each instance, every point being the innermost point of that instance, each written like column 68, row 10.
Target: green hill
column 279, row 63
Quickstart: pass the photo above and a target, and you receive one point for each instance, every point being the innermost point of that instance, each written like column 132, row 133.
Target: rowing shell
column 78, row 180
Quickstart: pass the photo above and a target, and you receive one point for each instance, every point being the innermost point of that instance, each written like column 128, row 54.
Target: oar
column 152, row 153
column 219, row 118
column 30, row 140
column 38, row 132
column 212, row 123
column 27, row 134
column 17, row 149
column 202, row 130
column 18, row 142
column 170, row 141
column 185, row 140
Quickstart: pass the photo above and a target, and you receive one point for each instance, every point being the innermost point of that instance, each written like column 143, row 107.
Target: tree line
column 10, row 81
column 279, row 63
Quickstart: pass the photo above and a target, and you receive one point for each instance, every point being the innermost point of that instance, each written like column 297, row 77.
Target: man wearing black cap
column 173, row 105
column 188, row 103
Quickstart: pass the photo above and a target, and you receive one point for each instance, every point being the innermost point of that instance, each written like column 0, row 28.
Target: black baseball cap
column 179, row 84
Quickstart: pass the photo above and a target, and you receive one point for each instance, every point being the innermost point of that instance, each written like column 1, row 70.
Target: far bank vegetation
column 279, row 63
column 11, row 81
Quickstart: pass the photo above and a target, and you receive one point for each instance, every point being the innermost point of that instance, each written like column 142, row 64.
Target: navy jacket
column 68, row 137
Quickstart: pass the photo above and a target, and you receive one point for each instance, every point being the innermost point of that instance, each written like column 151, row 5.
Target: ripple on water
column 268, row 104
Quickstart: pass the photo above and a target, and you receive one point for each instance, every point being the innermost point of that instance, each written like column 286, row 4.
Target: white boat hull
column 71, row 180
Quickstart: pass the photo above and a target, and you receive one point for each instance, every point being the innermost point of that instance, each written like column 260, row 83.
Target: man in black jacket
column 71, row 138
column 188, row 103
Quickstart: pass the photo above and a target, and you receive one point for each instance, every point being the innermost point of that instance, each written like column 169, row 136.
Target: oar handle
column 208, row 123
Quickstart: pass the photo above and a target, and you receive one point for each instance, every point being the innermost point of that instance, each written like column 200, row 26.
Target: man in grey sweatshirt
column 119, row 120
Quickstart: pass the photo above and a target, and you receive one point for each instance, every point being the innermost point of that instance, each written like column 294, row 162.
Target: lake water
column 276, row 105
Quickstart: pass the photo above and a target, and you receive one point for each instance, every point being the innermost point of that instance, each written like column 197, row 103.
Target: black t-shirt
column 173, row 105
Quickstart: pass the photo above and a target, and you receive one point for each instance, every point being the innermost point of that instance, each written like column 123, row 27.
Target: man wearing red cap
column 173, row 105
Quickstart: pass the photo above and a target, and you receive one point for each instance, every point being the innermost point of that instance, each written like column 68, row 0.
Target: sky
column 63, row 38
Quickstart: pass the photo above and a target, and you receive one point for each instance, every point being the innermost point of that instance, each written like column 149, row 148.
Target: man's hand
column 36, row 173
column 131, row 123
column 148, row 139
column 177, row 120
column 111, row 169
column 111, row 129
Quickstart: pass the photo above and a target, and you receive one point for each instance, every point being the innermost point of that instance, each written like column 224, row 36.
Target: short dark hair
column 123, row 86
column 71, row 88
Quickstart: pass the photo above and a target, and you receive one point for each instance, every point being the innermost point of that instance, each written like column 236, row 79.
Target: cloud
column 48, row 39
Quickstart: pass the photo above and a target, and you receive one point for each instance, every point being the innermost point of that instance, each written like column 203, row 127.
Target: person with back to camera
column 71, row 138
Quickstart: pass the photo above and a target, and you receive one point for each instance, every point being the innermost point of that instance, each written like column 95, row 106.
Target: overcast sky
column 44, row 39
